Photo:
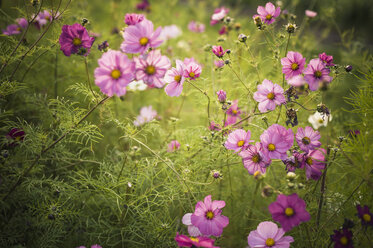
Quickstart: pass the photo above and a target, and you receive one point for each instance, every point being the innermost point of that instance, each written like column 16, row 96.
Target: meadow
column 186, row 124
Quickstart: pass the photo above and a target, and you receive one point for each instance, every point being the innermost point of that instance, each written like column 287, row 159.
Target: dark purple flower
column 342, row 238
column 103, row 46
column 75, row 39
column 144, row 5
column 327, row 59
column 365, row 215
column 290, row 211
column 15, row 135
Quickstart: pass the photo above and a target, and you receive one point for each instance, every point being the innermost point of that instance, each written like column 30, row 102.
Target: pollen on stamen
column 271, row 147
column 115, row 74
column 150, row 70
column 271, row 96
column 294, row 66
column 268, row 17
column 192, row 74
column 177, row 78
column 143, row 41
column 77, row 41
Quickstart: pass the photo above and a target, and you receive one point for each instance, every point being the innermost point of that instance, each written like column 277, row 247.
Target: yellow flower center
column 294, row 66
column 240, row 143
column 367, row 218
column 18, row 138
column 194, row 239
column 234, row 111
column 309, row 161
column 77, row 41
column 269, row 17
column 209, row 215
column 192, row 74
column 115, row 74
column 271, row 96
column 289, row 212
column 270, row 242
column 143, row 41
column 257, row 174
column 318, row 74
column 150, row 70
column 321, row 121
column 256, row 158
column 177, row 78
column 306, row 140
column 271, row 147
column 344, row 240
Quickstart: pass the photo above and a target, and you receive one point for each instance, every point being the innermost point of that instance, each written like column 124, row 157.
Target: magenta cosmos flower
column 133, row 18
column 238, row 140
column 22, row 23
column 185, row 241
column 254, row 160
column 276, row 141
column 196, row 27
column 140, row 37
column 308, row 139
column 75, row 39
column 268, row 13
column 342, row 238
column 147, row 114
column 114, row 73
column 233, row 113
column 175, row 79
column 192, row 69
column 214, row 126
column 15, row 135
column 219, row 63
column 151, row 68
column 316, row 73
column 267, row 234
column 219, row 14
column 289, row 211
column 192, row 230
column 310, row 13
column 218, row 51
column 207, row 217
column 173, row 146
column 365, row 215
column 327, row 59
column 12, row 29
column 269, row 95
column 292, row 64
column 314, row 162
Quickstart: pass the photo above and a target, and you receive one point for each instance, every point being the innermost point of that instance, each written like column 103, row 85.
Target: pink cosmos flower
column 268, row 234
column 207, row 217
column 292, row 64
column 223, row 30
column 233, row 113
column 114, row 73
column 175, row 79
column 297, row 81
column 276, row 141
column 147, row 114
column 75, row 39
column 22, row 22
column 219, row 14
column 289, row 210
column 327, row 59
column 214, row 126
column 185, row 241
column 238, row 140
column 222, row 96
column 254, row 160
column 269, row 95
column 170, row 32
column 218, row 51
column 42, row 18
column 140, row 37
column 151, row 68
column 196, row 27
column 173, row 146
column 192, row 70
column 187, row 61
column 316, row 73
column 219, row 63
column 192, row 230
column 314, row 162
column 12, row 29
column 310, row 13
column 268, row 13
column 308, row 139
column 133, row 18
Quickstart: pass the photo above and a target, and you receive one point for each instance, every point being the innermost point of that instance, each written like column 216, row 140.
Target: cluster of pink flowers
column 13, row 29
column 218, row 16
column 267, row 14
column 316, row 72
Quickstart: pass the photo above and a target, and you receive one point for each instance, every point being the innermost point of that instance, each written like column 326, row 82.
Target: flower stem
column 88, row 79
column 208, row 98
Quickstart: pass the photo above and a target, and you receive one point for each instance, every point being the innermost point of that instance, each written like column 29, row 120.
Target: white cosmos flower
column 317, row 120
column 137, row 85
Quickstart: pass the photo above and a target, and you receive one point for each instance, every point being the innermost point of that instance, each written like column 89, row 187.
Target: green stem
column 208, row 98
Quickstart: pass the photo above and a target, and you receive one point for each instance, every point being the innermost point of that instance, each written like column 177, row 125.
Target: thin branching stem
column 208, row 98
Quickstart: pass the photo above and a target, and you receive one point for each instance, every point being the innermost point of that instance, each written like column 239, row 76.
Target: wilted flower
column 242, row 38
column 207, row 217
column 292, row 117
column 103, row 46
column 173, row 146
column 269, row 95
column 151, row 68
column 289, row 210
column 75, row 39
column 147, row 114
column 268, row 13
column 114, row 73
column 140, row 37
column 296, row 161
column 268, row 234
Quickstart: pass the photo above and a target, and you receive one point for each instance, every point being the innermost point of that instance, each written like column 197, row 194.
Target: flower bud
column 267, row 191
column 290, row 28
column 242, row 38
column 222, row 96
column 348, row 68
column 291, row 176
